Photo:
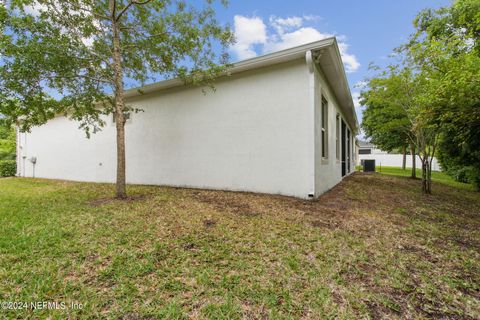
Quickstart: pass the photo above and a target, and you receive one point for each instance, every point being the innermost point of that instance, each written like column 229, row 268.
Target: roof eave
column 342, row 89
column 244, row 65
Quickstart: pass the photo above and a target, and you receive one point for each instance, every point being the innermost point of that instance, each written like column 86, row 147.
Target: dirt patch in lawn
column 103, row 201
column 209, row 223
column 226, row 201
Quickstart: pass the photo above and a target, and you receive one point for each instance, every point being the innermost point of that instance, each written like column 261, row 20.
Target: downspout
column 311, row 124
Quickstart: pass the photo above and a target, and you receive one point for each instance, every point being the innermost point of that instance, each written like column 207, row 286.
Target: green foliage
column 8, row 168
column 460, row 162
column 464, row 174
column 447, row 47
column 65, row 49
column 460, row 21
column 385, row 120
column 438, row 87
column 75, row 57
column 7, row 143
column 7, row 155
column 394, row 114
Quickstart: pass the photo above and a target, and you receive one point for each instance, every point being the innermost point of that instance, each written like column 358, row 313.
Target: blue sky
column 368, row 30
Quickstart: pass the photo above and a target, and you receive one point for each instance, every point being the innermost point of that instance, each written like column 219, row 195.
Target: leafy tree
column 74, row 57
column 438, row 88
column 459, row 23
column 447, row 50
column 385, row 122
column 397, row 110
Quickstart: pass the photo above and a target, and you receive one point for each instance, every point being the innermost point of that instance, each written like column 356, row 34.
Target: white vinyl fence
column 395, row 160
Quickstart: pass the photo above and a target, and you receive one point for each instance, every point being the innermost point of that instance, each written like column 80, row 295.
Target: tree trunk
column 404, row 162
column 121, row 192
column 414, row 166
column 429, row 175
column 119, row 104
column 426, row 176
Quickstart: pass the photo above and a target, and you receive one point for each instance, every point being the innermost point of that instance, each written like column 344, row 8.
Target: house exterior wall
column 251, row 134
column 328, row 171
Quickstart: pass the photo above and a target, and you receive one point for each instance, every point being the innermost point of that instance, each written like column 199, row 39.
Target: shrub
column 463, row 174
column 475, row 177
column 466, row 174
column 8, row 168
column 7, row 155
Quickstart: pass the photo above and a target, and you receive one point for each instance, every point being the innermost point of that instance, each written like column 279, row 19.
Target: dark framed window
column 364, row 151
column 349, row 147
column 337, row 136
column 324, row 127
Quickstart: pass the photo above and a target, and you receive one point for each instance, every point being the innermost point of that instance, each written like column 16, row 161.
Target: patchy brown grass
column 106, row 200
column 372, row 247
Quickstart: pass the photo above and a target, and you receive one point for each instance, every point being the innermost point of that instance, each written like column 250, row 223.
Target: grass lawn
column 437, row 176
column 373, row 247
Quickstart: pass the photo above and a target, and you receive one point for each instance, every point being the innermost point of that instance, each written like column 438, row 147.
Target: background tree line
column 430, row 100
column 7, row 151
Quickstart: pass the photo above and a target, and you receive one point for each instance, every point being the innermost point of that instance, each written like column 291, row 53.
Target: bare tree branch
column 129, row 5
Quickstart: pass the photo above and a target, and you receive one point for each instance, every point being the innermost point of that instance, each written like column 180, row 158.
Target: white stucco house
column 281, row 123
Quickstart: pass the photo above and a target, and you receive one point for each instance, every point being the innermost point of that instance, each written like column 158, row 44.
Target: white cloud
column 294, row 38
column 358, row 108
column 356, row 99
column 349, row 60
column 311, row 17
column 282, row 24
column 282, row 33
column 248, row 32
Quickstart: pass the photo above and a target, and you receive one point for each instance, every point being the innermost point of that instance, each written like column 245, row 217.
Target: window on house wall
column 337, row 136
column 349, row 148
column 364, row 151
column 324, row 128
